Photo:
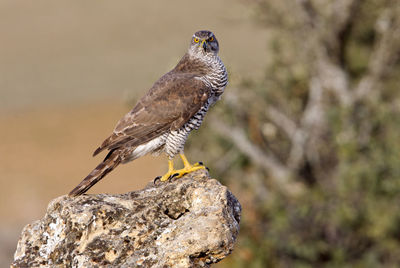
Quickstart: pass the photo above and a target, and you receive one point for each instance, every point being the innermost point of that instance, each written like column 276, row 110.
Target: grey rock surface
column 189, row 222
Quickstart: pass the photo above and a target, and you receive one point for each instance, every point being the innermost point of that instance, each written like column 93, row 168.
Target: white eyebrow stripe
column 212, row 35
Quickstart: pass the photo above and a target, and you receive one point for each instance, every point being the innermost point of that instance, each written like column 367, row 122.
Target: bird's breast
column 218, row 78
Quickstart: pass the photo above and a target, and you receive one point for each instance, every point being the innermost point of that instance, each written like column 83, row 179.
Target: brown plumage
column 162, row 119
column 169, row 104
column 111, row 161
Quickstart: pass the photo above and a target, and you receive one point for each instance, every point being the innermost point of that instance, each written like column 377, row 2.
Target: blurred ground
column 46, row 152
column 68, row 69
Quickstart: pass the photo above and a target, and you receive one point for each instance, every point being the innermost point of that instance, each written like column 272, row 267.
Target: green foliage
column 347, row 213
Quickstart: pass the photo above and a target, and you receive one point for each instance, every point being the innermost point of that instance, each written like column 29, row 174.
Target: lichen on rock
column 189, row 222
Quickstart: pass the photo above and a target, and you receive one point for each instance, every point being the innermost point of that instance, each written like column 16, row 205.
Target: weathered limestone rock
column 190, row 222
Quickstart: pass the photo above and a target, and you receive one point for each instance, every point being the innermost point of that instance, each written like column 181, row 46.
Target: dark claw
column 200, row 163
column 173, row 176
column 207, row 169
column 156, row 179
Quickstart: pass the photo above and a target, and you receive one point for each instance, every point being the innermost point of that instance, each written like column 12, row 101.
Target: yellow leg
column 170, row 171
column 177, row 173
column 188, row 167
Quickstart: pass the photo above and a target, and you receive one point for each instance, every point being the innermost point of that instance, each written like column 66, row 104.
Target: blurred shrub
column 312, row 149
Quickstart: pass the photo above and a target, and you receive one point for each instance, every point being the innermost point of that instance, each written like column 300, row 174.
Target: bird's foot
column 201, row 164
column 178, row 173
column 187, row 169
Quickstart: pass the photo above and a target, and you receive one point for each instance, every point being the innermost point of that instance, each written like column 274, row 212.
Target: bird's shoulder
column 174, row 82
column 169, row 97
column 168, row 105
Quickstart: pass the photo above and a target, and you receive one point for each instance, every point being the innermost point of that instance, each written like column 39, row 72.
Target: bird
column 162, row 119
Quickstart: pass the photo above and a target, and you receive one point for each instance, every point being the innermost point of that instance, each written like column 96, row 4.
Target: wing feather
column 168, row 105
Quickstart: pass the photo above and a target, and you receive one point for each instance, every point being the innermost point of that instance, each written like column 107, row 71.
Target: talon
column 173, row 176
column 156, row 179
column 207, row 168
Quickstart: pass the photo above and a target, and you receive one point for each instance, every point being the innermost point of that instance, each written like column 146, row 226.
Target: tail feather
column 111, row 161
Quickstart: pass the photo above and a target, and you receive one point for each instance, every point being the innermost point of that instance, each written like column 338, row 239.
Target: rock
column 189, row 222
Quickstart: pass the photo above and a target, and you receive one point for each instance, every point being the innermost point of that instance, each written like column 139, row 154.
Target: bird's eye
column 196, row 40
column 211, row 39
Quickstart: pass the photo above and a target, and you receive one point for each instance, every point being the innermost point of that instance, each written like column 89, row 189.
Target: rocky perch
column 189, row 222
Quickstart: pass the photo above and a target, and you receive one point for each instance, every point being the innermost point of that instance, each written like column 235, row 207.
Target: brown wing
column 168, row 105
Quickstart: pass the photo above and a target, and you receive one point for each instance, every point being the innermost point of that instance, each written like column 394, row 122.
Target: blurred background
column 306, row 135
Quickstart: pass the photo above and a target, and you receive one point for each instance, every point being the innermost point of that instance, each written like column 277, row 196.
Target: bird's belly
column 175, row 142
column 172, row 142
column 152, row 146
column 176, row 139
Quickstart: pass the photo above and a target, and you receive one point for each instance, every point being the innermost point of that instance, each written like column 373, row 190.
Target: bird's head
column 204, row 43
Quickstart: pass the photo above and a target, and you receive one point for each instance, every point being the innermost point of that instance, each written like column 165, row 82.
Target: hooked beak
column 204, row 44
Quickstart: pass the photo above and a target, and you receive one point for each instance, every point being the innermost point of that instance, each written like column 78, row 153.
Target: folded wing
column 167, row 106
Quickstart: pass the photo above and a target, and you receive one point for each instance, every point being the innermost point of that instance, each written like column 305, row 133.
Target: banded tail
column 111, row 161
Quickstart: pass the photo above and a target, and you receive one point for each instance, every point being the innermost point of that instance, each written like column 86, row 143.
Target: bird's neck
column 210, row 69
column 192, row 63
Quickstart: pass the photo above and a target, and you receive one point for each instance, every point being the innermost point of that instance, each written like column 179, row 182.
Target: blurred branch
column 334, row 79
column 313, row 120
column 223, row 164
column 323, row 38
column 312, row 125
column 327, row 34
column 322, row 31
column 384, row 54
column 263, row 159
column 343, row 12
column 309, row 14
column 282, row 121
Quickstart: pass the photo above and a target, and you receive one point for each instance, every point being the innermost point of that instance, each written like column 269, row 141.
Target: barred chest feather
column 216, row 79
column 173, row 142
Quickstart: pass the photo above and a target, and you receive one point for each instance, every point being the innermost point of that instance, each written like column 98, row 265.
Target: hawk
column 162, row 119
